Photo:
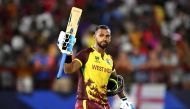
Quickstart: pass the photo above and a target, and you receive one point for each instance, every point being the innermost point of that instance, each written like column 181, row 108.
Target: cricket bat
column 71, row 30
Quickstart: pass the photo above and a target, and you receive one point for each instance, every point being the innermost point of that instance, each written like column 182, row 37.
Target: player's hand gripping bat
column 67, row 39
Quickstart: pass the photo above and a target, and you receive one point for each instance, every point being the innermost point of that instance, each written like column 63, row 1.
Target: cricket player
column 96, row 67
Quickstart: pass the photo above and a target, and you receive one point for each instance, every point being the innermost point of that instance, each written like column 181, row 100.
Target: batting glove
column 66, row 42
column 125, row 104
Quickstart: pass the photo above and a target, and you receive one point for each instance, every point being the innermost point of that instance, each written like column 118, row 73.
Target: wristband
column 68, row 59
column 124, row 98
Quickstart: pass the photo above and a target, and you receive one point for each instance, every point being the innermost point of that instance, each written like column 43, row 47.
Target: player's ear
column 94, row 36
column 110, row 39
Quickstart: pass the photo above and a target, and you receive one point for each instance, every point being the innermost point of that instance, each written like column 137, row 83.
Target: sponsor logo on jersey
column 108, row 61
column 100, row 68
column 97, row 59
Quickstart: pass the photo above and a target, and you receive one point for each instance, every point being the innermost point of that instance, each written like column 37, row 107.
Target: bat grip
column 71, row 43
column 64, row 55
column 61, row 66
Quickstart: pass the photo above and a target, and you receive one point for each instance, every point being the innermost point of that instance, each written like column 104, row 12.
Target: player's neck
column 99, row 49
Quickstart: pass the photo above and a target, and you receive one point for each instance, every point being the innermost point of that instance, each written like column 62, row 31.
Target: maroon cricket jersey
column 94, row 75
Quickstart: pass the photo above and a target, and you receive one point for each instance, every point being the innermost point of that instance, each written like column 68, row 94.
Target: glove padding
column 66, row 42
column 125, row 104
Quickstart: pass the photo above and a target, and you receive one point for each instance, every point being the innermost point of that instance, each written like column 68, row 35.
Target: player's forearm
column 122, row 94
column 69, row 68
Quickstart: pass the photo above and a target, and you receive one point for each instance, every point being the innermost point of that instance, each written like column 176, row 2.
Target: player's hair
column 102, row 27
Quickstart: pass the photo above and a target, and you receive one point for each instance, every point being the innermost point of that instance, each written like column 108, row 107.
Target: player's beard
column 102, row 44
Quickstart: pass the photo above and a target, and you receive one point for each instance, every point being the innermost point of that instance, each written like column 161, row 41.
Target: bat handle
column 61, row 66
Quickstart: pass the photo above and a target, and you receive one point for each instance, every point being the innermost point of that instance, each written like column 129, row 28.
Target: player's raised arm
column 69, row 66
column 67, row 40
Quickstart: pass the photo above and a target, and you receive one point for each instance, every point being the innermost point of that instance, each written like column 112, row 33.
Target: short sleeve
column 82, row 56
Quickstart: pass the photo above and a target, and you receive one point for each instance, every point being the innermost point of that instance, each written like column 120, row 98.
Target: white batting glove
column 66, row 41
column 125, row 104
column 61, row 41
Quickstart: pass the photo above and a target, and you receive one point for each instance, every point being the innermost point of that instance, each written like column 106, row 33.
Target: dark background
column 150, row 45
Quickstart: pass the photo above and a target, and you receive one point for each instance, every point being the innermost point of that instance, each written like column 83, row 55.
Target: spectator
column 138, row 62
column 43, row 65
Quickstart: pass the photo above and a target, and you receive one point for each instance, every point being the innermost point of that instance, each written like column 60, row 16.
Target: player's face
column 103, row 37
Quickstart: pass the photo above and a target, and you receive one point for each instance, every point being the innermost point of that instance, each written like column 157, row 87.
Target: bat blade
column 73, row 22
column 71, row 29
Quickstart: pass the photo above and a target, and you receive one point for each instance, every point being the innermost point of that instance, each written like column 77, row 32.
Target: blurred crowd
column 150, row 41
